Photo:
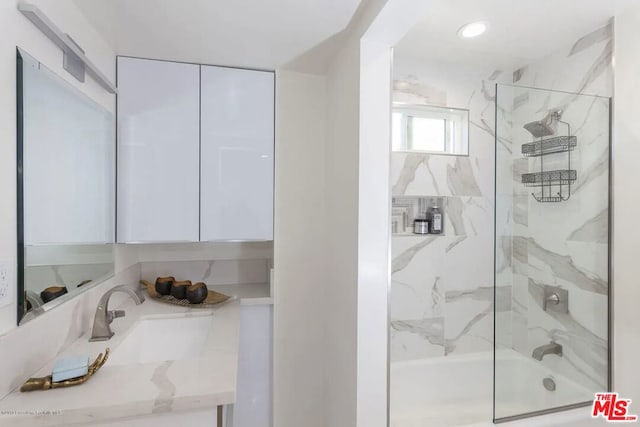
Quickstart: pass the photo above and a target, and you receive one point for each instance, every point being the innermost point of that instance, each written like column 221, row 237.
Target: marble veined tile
column 417, row 338
column 598, row 170
column 521, row 210
column 517, row 74
column 420, row 299
column 469, row 317
column 38, row 278
column 407, row 166
column 212, row 272
column 469, row 265
column 414, row 174
column 417, row 297
column 590, row 257
column 587, row 70
column 519, row 310
column 468, row 216
column 416, row 287
column 570, row 365
column 600, row 35
column 405, row 249
column 520, row 255
column 412, row 91
column 504, row 215
column 595, row 229
column 504, row 254
column 494, row 76
column 460, row 178
column 557, row 268
column 585, row 354
column 453, row 212
column 520, row 100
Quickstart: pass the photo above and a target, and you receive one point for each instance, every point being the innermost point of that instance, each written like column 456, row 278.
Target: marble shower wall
column 442, row 286
column 560, row 244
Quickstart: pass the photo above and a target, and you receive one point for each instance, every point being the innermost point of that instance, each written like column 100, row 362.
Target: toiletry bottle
column 435, row 223
column 421, row 226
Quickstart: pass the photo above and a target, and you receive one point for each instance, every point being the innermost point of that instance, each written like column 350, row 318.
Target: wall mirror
column 66, row 189
column 430, row 129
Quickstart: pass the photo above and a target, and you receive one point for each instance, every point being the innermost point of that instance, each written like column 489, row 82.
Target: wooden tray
column 213, row 298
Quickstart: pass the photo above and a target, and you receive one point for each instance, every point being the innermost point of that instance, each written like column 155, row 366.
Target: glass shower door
column 551, row 250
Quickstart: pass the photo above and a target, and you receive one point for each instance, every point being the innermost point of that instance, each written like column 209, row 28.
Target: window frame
column 452, row 146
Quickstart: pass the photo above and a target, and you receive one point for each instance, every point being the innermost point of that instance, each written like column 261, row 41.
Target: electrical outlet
column 6, row 283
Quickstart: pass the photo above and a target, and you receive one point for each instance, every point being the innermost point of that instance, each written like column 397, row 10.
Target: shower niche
column 406, row 209
column 554, row 182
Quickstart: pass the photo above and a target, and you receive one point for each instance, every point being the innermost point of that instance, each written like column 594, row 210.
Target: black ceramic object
column 52, row 292
column 197, row 293
column 164, row 284
column 179, row 289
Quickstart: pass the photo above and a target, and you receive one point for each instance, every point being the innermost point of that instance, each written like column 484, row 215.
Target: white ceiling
column 520, row 30
column 248, row 33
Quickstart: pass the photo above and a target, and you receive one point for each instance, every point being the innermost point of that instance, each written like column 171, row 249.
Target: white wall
column 382, row 25
column 626, row 204
column 373, row 233
column 317, row 364
column 301, row 303
column 18, row 31
column 357, row 263
column 341, row 204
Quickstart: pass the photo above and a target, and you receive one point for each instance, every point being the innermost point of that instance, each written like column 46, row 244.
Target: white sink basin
column 160, row 339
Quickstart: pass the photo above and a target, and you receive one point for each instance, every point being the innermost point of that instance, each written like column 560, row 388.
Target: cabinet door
column 237, row 124
column 158, row 151
column 253, row 407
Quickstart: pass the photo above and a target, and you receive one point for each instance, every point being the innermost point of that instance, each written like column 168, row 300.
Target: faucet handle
column 114, row 314
column 553, row 298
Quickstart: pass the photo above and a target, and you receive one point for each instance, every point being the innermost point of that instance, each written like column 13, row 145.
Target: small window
column 430, row 129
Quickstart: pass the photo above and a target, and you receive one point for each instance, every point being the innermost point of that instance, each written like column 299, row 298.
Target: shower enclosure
column 551, row 350
column 470, row 340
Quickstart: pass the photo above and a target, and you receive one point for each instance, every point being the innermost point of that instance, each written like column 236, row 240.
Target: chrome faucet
column 551, row 348
column 101, row 330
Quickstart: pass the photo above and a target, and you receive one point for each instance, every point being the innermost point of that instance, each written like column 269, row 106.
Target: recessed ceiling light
column 473, row 29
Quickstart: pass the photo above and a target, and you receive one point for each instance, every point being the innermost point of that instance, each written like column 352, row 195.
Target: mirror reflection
column 66, row 189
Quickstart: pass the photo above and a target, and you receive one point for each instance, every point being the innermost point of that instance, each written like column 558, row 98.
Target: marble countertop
column 120, row 391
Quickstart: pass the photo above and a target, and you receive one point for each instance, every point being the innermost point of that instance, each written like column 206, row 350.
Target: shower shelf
column 555, row 185
column 555, row 177
column 560, row 144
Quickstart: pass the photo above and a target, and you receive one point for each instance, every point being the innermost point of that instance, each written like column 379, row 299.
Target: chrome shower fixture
column 545, row 127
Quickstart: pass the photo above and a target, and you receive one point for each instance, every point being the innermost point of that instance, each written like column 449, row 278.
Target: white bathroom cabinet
column 158, row 151
column 237, row 154
column 195, row 152
column 253, row 407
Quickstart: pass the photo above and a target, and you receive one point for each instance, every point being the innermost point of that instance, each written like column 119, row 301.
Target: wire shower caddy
column 559, row 180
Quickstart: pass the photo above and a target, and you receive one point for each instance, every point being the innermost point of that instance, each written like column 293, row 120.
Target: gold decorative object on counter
column 213, row 298
column 45, row 383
